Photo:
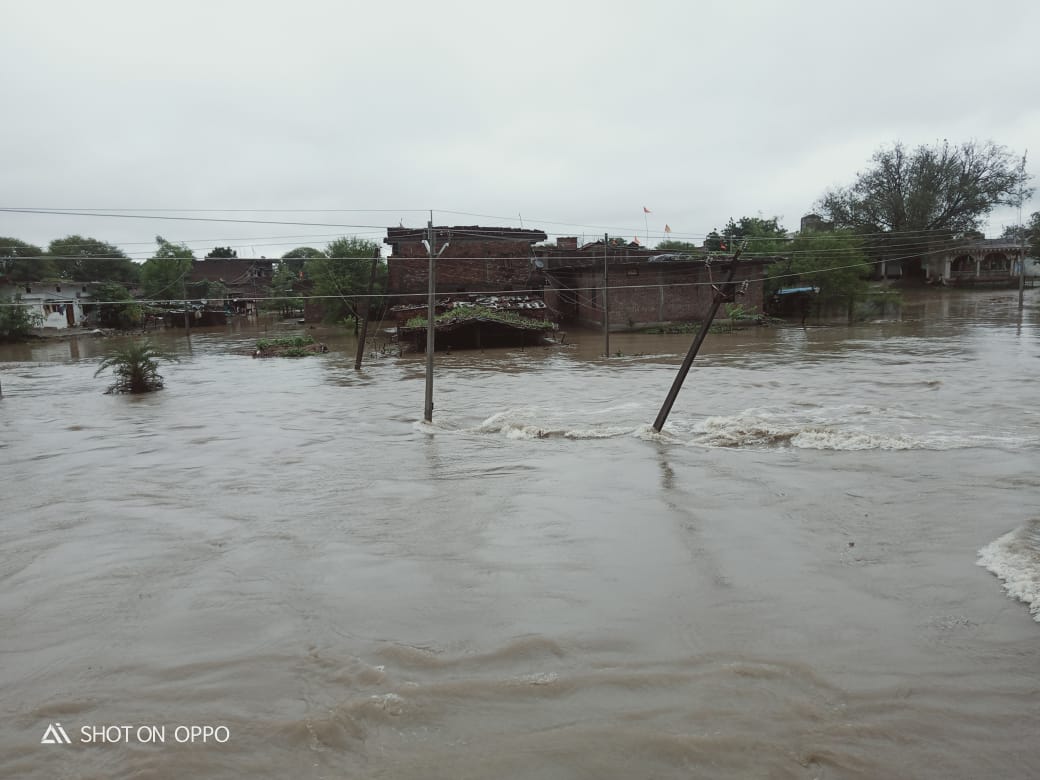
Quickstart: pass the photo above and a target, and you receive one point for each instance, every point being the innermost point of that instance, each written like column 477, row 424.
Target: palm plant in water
column 135, row 367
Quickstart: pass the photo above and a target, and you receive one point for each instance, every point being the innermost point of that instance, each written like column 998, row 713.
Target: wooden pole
column 721, row 294
column 431, row 312
column 1021, row 260
column 606, row 307
column 187, row 322
column 368, row 309
column 1022, row 242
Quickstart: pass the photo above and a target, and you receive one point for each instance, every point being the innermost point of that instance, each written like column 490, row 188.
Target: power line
column 164, row 214
column 288, row 294
column 188, row 219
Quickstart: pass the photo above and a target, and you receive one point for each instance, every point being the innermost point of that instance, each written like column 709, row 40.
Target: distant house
column 58, row 304
column 986, row 261
column 246, row 280
column 814, row 223
column 477, row 260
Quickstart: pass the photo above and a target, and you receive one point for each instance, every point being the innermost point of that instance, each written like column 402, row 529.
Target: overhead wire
column 589, row 288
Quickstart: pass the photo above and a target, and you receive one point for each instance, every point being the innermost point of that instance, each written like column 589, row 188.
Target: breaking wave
column 533, row 424
column 1015, row 559
column 849, row 427
column 807, row 426
column 753, row 431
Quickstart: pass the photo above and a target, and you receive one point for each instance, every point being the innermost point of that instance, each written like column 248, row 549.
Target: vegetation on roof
column 461, row 314
column 290, row 346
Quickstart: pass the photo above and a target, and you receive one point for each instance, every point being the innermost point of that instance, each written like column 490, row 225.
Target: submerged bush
column 135, row 367
column 17, row 321
column 289, row 342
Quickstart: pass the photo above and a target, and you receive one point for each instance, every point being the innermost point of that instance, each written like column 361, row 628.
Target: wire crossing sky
column 571, row 118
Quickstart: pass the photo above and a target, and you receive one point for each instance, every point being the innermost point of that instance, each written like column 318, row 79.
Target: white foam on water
column 838, row 428
column 808, row 426
column 536, row 423
column 831, row 439
column 1015, row 559
column 765, row 430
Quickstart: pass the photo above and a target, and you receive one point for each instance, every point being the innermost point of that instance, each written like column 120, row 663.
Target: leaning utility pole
column 606, row 307
column 368, row 310
column 723, row 293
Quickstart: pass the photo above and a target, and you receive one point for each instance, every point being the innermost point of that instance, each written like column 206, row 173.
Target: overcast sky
column 573, row 115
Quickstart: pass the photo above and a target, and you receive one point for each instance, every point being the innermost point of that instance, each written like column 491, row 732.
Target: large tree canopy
column 164, row 276
column 221, row 251
column 936, row 190
column 296, row 258
column 23, row 262
column 342, row 274
column 116, row 307
column 832, row 261
column 764, row 236
column 672, row 245
column 1032, row 229
column 90, row 260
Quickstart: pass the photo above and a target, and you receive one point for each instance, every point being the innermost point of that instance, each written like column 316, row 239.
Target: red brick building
column 644, row 292
column 477, row 259
column 648, row 287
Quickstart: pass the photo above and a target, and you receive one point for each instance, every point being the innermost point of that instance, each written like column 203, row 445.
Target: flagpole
column 646, row 226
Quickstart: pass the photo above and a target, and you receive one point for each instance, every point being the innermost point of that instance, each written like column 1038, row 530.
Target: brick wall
column 466, row 266
column 646, row 294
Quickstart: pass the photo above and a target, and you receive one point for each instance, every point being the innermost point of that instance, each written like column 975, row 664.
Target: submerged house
column 245, row 280
column 563, row 282
column 985, row 261
column 476, row 322
column 58, row 304
column 646, row 288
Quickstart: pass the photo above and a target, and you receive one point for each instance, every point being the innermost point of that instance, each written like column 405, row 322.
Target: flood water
column 785, row 584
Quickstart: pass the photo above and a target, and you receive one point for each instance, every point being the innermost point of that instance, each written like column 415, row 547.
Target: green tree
column 1033, row 235
column 221, row 251
column 908, row 201
column 284, row 295
column 680, row 247
column 343, row 273
column 833, row 261
column 116, row 307
column 16, row 321
column 88, row 259
column 764, row 236
column 23, row 262
column 1031, row 232
column 136, row 368
column 296, row 258
column 165, row 274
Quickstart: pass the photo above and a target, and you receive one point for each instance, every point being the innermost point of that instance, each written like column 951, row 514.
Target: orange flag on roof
column 635, row 240
column 646, row 210
column 666, row 228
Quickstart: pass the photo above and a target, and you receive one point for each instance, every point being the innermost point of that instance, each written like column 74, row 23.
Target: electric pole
column 606, row 307
column 431, row 312
column 368, row 310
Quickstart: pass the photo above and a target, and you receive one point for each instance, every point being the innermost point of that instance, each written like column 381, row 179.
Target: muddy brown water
column 784, row 584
